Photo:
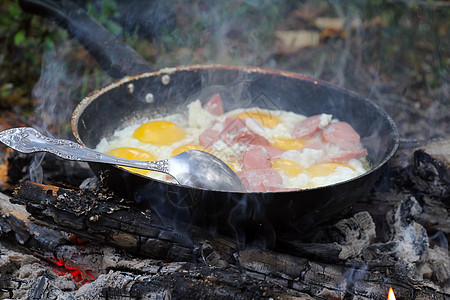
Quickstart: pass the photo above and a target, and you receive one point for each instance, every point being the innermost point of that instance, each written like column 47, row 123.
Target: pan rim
column 86, row 101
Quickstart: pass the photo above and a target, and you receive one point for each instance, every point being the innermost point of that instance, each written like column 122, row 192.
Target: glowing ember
column 78, row 275
column 391, row 295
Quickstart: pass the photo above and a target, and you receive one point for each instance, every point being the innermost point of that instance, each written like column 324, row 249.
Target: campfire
column 71, row 234
column 88, row 241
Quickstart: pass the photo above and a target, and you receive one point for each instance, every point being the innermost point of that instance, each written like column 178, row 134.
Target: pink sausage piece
column 316, row 145
column 346, row 156
column 274, row 152
column 261, row 180
column 233, row 125
column 214, row 105
column 342, row 135
column 209, row 137
column 249, row 137
column 307, row 128
column 256, row 158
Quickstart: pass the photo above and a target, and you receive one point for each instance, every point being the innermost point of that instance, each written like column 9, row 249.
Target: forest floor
column 393, row 52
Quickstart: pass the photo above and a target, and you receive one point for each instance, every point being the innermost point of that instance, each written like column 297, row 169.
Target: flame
column 391, row 295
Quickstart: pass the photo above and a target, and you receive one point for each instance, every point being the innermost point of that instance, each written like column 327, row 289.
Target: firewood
column 421, row 169
column 102, row 217
column 210, row 263
column 432, row 170
column 430, row 177
column 15, row 168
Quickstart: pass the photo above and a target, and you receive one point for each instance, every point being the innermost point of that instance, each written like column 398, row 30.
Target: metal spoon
column 192, row 168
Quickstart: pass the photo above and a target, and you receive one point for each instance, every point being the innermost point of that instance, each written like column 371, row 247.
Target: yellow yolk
column 133, row 153
column 267, row 120
column 159, row 133
column 324, row 169
column 288, row 167
column 288, row 143
column 188, row 147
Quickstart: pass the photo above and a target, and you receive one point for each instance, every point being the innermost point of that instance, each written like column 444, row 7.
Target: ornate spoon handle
column 28, row 140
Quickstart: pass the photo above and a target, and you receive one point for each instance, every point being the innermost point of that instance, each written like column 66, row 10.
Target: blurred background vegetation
column 381, row 49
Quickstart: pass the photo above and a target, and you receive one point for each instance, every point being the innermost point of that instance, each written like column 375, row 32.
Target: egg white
column 197, row 119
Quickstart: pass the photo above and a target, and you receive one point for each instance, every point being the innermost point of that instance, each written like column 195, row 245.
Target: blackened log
column 432, row 170
column 100, row 216
column 419, row 169
column 344, row 240
column 282, row 274
column 431, row 181
column 13, row 168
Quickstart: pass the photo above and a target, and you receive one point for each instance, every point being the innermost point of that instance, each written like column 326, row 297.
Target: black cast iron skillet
column 169, row 90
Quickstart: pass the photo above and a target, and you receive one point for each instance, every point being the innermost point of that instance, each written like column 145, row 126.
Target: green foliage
column 105, row 15
column 226, row 32
column 405, row 37
column 399, row 37
column 20, row 38
column 23, row 39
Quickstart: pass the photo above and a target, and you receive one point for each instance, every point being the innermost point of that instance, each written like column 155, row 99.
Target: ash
column 105, row 247
column 86, row 243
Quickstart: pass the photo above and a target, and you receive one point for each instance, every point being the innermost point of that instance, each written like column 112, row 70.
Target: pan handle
column 116, row 58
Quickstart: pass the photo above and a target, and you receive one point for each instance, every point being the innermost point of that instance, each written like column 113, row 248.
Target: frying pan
column 166, row 91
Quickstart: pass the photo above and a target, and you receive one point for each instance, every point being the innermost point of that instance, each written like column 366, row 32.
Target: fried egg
column 264, row 118
column 301, row 163
column 159, row 132
column 133, row 153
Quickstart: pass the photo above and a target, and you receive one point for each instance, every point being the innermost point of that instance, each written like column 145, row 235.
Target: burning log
column 201, row 264
column 16, row 167
column 430, row 178
column 88, row 234
column 420, row 170
column 432, row 170
column 102, row 217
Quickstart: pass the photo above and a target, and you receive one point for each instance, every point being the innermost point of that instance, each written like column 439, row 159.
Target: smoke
column 439, row 239
column 352, row 276
column 35, row 172
column 235, row 32
column 249, row 222
column 238, row 33
column 51, row 105
column 53, row 94
column 62, row 84
column 361, row 47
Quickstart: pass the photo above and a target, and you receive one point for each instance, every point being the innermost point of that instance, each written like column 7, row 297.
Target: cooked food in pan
column 270, row 150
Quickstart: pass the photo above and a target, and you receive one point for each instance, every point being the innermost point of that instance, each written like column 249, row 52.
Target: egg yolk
column 188, row 147
column 159, row 133
column 267, row 120
column 288, row 143
column 288, row 167
column 133, row 153
column 324, row 169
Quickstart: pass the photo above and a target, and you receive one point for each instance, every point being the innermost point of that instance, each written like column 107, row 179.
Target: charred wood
column 16, row 168
column 432, row 170
column 215, row 265
column 100, row 216
column 420, row 170
column 430, row 178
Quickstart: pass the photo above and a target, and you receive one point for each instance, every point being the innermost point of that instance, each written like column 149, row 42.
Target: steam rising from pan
column 109, row 108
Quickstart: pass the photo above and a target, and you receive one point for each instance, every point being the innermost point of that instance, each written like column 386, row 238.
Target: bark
column 115, row 249
column 212, row 267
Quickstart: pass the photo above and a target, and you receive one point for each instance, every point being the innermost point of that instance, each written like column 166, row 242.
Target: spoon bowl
column 193, row 168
